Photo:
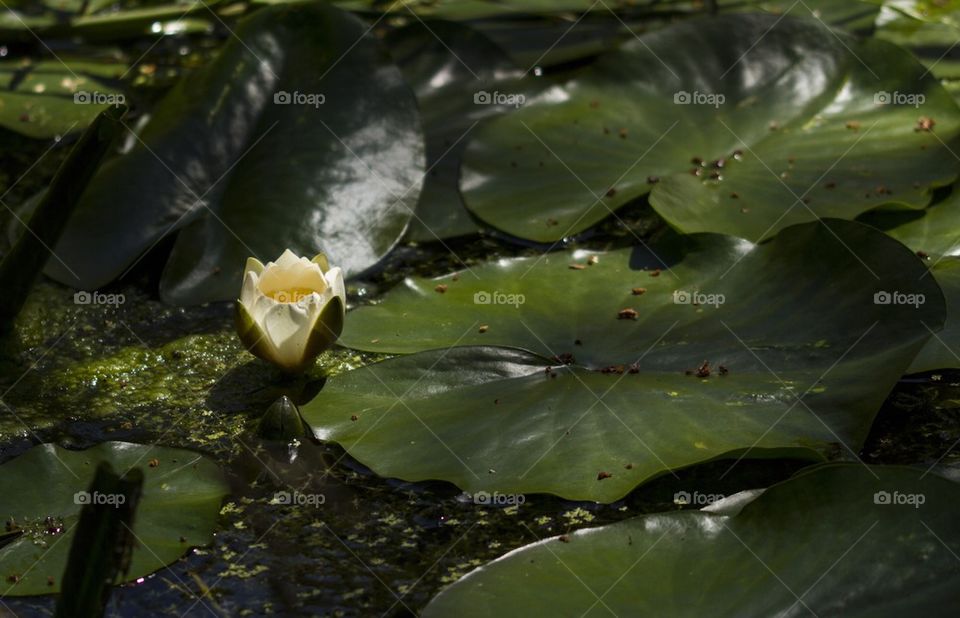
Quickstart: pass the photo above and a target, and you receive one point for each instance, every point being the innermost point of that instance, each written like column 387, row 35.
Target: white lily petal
column 250, row 290
column 287, row 259
column 287, row 326
column 334, row 278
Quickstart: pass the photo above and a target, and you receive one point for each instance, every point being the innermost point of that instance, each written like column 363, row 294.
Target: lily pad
column 833, row 540
column 276, row 144
column 782, row 119
column 627, row 396
column 181, row 498
column 48, row 98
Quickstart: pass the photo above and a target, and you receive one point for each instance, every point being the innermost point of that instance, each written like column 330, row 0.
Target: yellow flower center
column 291, row 295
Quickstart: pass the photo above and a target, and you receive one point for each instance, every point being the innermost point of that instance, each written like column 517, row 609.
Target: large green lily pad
column 790, row 110
column 835, row 540
column 246, row 156
column 631, row 405
column 48, row 98
column 178, row 509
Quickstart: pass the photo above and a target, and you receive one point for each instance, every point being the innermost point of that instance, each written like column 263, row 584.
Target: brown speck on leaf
column 455, row 277
column 830, row 185
column 735, row 195
column 611, row 192
column 216, row 270
column 483, row 328
column 925, row 123
column 440, row 289
column 633, row 368
column 552, row 222
column 774, row 126
column 606, row 130
column 715, row 176
column 564, row 358
column 183, row 539
column 563, row 538
column 577, row 267
column 603, row 475
column 655, row 272
column 354, row 417
column 622, row 133
column 628, row 466
column 923, row 255
column 723, row 370
column 697, row 160
column 577, row 342
column 614, row 369
column 496, row 402
column 13, row 579
column 594, row 104
column 627, row 314
column 50, row 580
column 24, row 117
column 153, row 463
column 853, row 125
column 638, row 291
column 703, row 371
column 695, row 171
column 652, row 180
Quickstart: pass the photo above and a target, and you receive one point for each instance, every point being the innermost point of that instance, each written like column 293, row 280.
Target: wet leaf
column 178, row 510
column 781, row 119
column 833, row 540
column 650, row 379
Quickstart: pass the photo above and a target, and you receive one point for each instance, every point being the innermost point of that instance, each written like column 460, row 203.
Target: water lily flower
column 290, row 310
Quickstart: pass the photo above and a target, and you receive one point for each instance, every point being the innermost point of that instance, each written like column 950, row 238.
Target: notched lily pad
column 41, row 497
column 741, row 124
column 705, row 347
column 833, row 540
